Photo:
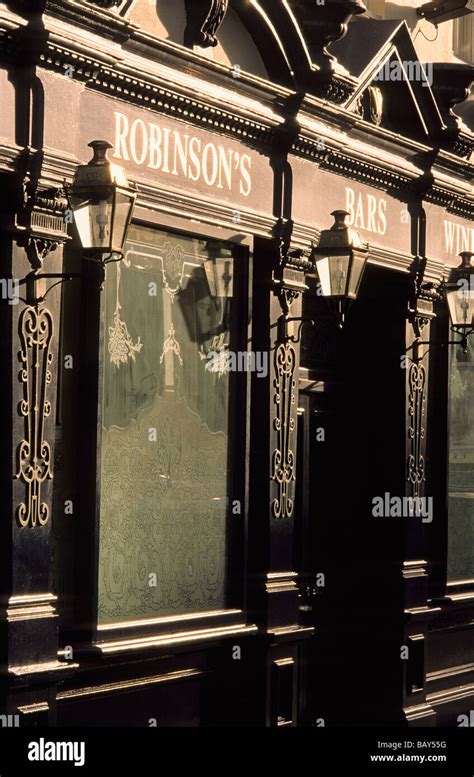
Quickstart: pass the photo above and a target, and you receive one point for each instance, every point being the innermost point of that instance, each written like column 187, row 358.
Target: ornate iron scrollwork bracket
column 34, row 452
column 420, row 312
column 40, row 227
column 204, row 17
column 288, row 284
column 283, row 459
column 416, row 429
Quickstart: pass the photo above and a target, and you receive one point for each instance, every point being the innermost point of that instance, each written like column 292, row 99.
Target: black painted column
column 418, row 711
column 29, row 369
column 278, row 287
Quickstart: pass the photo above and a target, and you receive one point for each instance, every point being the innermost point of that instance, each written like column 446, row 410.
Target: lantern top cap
column 339, row 236
column 100, row 148
column 100, row 171
column 339, row 219
column 466, row 260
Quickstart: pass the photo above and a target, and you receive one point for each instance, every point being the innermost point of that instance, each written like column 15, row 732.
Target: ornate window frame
column 141, row 634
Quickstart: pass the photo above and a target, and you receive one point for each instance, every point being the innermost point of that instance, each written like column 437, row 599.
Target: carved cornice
column 203, row 17
column 459, row 206
column 463, row 145
column 92, row 15
column 337, row 88
column 365, row 171
column 154, row 94
column 260, row 125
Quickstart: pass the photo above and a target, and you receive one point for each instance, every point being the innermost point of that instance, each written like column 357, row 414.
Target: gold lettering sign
column 457, row 237
column 182, row 154
column 366, row 211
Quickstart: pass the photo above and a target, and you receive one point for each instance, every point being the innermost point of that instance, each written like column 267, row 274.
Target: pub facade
column 206, row 463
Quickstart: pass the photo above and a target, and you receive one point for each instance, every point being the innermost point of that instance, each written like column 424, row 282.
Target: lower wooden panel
column 165, row 700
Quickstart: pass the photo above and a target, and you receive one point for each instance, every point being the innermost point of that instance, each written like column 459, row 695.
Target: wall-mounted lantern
column 444, row 10
column 460, row 298
column 102, row 203
column 340, row 259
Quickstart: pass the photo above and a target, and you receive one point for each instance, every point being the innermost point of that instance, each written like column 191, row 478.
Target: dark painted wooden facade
column 321, row 598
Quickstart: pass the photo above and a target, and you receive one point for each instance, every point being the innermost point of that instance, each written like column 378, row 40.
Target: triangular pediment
column 395, row 88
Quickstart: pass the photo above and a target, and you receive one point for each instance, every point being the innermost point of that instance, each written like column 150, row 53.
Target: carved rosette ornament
column 323, row 24
column 34, row 452
column 203, row 19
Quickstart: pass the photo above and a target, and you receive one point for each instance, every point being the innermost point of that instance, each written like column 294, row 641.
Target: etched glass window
column 165, row 454
column 461, row 465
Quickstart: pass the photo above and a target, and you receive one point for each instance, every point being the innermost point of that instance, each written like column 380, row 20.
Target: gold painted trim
column 50, row 666
column 418, row 712
column 285, row 661
column 452, row 671
column 125, row 685
column 32, row 599
column 170, row 640
column 304, row 631
column 281, row 575
column 31, row 607
column 32, row 709
column 166, row 619
column 452, row 694
column 281, row 587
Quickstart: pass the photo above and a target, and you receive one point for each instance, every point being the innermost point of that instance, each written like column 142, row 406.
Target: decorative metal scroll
column 34, row 452
column 284, row 424
column 416, row 430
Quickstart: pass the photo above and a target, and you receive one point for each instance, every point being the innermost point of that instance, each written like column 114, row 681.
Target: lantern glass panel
column 333, row 274
column 93, row 219
column 124, row 202
column 461, row 306
column 357, row 270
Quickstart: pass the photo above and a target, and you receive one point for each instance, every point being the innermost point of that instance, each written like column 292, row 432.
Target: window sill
column 171, row 640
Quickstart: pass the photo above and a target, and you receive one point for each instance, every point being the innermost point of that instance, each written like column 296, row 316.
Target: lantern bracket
column 283, row 322
column 30, row 280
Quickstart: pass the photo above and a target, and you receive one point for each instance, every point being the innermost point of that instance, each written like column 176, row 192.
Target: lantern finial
column 100, row 148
